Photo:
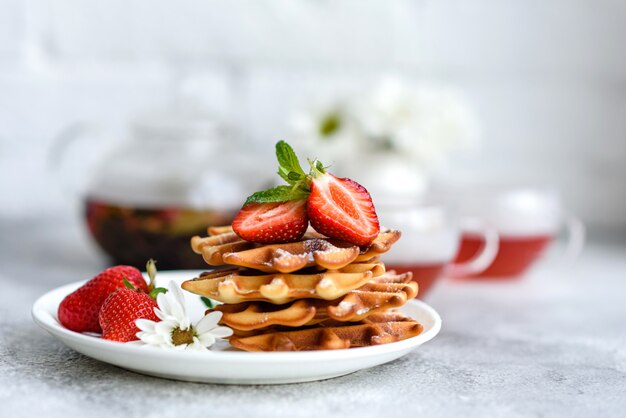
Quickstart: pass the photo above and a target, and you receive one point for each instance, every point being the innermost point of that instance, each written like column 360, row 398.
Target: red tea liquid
column 515, row 254
column 424, row 274
column 132, row 235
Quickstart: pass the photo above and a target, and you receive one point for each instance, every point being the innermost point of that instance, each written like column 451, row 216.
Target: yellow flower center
column 180, row 336
column 330, row 124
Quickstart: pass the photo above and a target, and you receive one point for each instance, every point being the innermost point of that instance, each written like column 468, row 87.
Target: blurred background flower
column 424, row 122
column 327, row 129
column 393, row 129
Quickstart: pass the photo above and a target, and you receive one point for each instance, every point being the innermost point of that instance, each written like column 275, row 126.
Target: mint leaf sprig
column 207, row 302
column 290, row 170
column 279, row 194
column 289, row 167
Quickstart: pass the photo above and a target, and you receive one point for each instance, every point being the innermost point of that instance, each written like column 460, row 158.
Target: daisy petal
column 176, row 302
column 197, row 346
column 145, row 325
column 160, row 314
column 176, row 310
column 164, row 304
column 152, row 339
column 206, row 339
column 185, row 323
column 176, row 293
column 165, row 328
column 208, row 322
column 221, row 332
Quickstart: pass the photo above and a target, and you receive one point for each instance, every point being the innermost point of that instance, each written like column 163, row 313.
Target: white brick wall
column 12, row 29
column 548, row 78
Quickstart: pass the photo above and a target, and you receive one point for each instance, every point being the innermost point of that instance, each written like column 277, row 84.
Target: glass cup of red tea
column 431, row 236
column 528, row 220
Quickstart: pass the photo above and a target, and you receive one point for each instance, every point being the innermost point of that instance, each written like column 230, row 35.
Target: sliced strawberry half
column 341, row 208
column 273, row 222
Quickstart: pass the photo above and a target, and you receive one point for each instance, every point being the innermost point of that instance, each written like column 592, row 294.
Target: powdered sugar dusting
column 325, row 283
column 345, row 306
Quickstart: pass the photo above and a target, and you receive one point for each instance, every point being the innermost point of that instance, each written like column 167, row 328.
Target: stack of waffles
column 314, row 294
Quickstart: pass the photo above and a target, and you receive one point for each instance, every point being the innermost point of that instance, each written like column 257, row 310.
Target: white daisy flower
column 426, row 122
column 326, row 129
column 175, row 329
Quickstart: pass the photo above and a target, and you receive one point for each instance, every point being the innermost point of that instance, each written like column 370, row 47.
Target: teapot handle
column 68, row 159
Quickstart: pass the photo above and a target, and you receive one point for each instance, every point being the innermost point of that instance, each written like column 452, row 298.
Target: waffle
column 391, row 315
column 314, row 294
column 214, row 246
column 381, row 245
column 235, row 285
column 330, row 338
column 380, row 294
column 287, row 258
column 223, row 246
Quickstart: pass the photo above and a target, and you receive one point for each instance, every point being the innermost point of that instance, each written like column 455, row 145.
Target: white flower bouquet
column 395, row 128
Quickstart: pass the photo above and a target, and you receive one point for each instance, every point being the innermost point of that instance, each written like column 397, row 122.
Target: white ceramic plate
column 224, row 364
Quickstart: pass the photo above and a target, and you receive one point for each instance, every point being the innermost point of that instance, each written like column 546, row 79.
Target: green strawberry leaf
column 128, row 284
column 317, row 168
column 278, row 194
column 208, row 302
column 154, row 292
column 288, row 163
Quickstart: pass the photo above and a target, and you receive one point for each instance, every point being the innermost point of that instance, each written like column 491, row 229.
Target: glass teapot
column 177, row 173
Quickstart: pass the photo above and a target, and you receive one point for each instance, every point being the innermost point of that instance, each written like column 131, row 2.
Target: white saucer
column 224, row 364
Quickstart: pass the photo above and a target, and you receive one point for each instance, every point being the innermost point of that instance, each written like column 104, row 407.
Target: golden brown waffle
column 383, row 293
column 219, row 230
column 287, row 258
column 222, row 240
column 391, row 315
column 235, row 285
column 223, row 246
column 314, row 294
column 213, row 247
column 381, row 245
column 329, row 338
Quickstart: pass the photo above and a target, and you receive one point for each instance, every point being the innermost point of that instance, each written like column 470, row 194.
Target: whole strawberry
column 120, row 311
column 80, row 309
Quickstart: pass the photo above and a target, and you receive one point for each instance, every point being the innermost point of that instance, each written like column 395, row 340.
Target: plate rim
column 48, row 321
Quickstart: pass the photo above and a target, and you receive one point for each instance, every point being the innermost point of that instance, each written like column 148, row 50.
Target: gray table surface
column 551, row 344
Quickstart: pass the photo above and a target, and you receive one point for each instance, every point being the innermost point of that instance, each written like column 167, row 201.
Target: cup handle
column 485, row 257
